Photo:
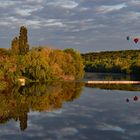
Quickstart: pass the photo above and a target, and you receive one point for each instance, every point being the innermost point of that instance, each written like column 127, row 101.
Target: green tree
column 36, row 66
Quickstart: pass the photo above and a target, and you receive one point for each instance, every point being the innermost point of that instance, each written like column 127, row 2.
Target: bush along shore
column 38, row 64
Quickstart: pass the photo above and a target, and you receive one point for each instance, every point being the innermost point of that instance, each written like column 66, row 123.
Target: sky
column 85, row 25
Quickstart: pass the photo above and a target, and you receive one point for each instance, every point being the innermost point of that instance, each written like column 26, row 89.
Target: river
column 70, row 111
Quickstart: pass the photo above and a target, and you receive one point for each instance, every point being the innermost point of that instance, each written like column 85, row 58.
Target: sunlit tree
column 23, row 40
column 15, row 45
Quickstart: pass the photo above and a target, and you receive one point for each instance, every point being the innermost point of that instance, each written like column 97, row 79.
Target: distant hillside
column 127, row 61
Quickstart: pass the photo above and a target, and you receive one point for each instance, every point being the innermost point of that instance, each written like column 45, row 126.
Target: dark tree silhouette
column 23, row 40
column 23, row 121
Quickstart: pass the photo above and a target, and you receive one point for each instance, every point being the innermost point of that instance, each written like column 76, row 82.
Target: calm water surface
column 69, row 111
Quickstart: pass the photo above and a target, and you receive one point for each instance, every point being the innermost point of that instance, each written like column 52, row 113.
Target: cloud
column 88, row 27
column 34, row 1
column 82, row 25
column 34, row 127
column 64, row 132
column 63, row 3
column 37, row 23
column 132, row 120
column 4, row 23
column 134, row 3
column 108, row 127
column 23, row 12
column 55, row 24
column 130, row 17
column 8, row 3
column 27, row 11
column 83, row 9
column 133, row 15
column 110, row 8
column 89, row 21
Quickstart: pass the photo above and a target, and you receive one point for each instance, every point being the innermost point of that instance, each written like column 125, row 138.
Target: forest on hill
column 37, row 64
column 126, row 61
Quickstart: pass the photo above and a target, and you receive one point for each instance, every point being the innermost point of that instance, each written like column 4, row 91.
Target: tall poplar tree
column 23, row 40
column 19, row 45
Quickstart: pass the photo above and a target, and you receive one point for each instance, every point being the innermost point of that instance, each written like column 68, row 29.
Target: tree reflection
column 15, row 103
column 128, row 87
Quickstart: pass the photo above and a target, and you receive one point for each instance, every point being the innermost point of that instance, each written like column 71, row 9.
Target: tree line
column 38, row 63
column 127, row 61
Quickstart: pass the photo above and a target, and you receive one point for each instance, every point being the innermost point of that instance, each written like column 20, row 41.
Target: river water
column 70, row 111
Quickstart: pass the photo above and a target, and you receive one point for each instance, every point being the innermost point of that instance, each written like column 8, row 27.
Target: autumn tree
column 15, row 45
column 23, row 40
column 77, row 63
column 43, row 64
column 36, row 66
column 19, row 45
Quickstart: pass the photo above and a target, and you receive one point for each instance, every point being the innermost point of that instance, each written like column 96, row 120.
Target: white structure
column 22, row 81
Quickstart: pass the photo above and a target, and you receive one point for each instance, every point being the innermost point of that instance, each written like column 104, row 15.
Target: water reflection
column 110, row 76
column 17, row 102
column 128, row 87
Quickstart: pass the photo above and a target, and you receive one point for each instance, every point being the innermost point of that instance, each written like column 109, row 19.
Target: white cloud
column 83, row 9
column 108, row 127
column 90, row 27
column 8, row 3
column 134, row 2
column 33, row 22
column 13, row 19
column 64, row 4
column 15, row 22
column 23, row 12
column 110, row 8
column 27, row 11
column 37, row 23
column 67, row 131
column 34, row 1
column 133, row 15
column 56, row 24
column 4, row 23
column 83, row 25
column 130, row 17
column 52, row 23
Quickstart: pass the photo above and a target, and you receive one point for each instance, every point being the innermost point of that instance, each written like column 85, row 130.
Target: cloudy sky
column 86, row 25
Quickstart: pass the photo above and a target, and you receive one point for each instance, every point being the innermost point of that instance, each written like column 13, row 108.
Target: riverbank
column 112, row 82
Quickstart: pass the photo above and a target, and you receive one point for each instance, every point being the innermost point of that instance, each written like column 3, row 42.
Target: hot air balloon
column 136, row 40
column 135, row 98
column 127, row 100
column 127, row 37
